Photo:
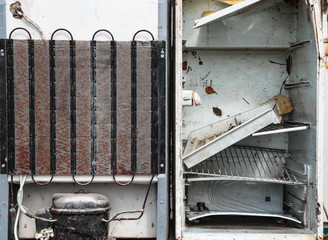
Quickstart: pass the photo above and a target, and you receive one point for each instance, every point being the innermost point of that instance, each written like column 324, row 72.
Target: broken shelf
column 281, row 128
column 191, row 216
column 227, row 12
column 211, row 139
column 243, row 163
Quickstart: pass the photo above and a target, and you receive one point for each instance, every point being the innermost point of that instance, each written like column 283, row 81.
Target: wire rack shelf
column 243, row 163
column 282, row 128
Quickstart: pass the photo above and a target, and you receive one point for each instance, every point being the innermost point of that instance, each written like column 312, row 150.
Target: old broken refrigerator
column 249, row 116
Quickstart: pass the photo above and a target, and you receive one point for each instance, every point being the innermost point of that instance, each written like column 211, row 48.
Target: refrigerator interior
column 265, row 181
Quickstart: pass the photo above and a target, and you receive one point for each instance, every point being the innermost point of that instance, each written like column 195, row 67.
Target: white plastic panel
column 122, row 17
column 261, row 27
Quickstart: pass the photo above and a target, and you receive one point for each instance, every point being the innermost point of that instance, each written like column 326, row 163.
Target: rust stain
column 231, row 127
column 21, row 95
column 143, row 109
column 103, row 68
column 200, row 62
column 217, row 111
column 42, row 107
column 83, row 94
column 184, row 65
column 209, row 90
column 15, row 8
column 63, row 145
column 123, row 108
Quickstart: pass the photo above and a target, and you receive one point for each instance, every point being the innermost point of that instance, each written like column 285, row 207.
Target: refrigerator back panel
column 83, row 107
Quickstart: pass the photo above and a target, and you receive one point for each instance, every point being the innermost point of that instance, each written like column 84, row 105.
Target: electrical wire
column 283, row 84
column 20, row 194
column 21, row 14
column 18, row 211
column 25, row 210
column 141, row 211
column 324, row 209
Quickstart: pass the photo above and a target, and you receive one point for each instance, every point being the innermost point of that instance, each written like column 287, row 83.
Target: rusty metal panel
column 123, row 165
column 83, row 116
column 42, row 107
column 21, row 99
column 62, row 76
column 143, row 68
column 103, row 74
column 77, row 107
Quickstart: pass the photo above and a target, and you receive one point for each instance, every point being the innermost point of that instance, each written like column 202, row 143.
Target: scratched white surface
column 122, row 17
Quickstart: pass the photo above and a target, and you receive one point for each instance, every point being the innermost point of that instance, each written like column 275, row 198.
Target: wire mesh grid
column 275, row 127
column 248, row 164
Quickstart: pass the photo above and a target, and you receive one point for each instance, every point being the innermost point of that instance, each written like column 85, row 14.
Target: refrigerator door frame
column 181, row 231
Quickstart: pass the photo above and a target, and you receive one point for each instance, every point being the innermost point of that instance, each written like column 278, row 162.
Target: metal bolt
column 162, row 165
column 3, row 165
column 2, row 52
column 6, row 159
column 161, row 202
column 162, row 54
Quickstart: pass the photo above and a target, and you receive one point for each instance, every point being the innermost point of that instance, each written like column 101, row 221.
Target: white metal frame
column 179, row 183
column 319, row 30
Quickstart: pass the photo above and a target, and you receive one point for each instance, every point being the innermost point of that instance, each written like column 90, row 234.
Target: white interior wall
column 242, row 81
column 268, row 25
